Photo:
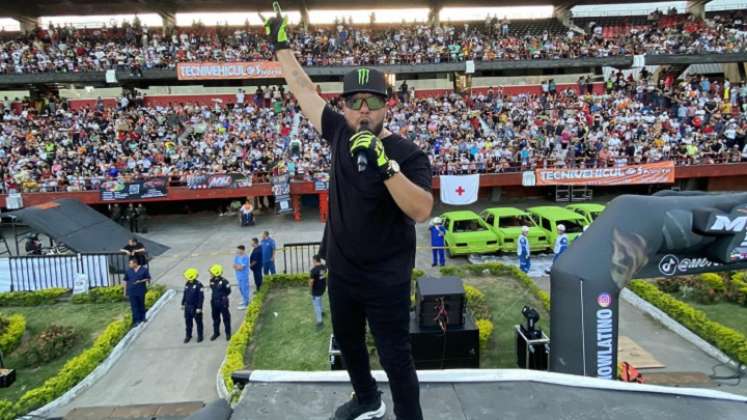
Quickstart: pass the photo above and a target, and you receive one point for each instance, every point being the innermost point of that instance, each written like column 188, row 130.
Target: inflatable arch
column 669, row 233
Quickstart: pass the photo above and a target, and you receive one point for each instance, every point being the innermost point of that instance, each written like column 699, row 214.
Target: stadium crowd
column 46, row 146
column 134, row 47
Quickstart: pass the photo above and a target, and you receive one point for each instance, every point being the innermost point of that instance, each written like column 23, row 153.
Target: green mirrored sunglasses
column 372, row 102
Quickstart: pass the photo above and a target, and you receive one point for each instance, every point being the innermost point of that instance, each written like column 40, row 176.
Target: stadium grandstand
column 86, row 103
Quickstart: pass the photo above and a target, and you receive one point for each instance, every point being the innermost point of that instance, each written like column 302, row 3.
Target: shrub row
column 707, row 288
column 730, row 341
column 75, row 369
column 13, row 327
column 34, row 298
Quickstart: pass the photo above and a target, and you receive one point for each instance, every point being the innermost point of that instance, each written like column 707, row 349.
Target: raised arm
column 299, row 83
column 302, row 88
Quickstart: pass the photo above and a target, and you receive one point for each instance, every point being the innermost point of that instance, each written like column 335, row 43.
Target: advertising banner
column 230, row 180
column 281, row 191
column 133, row 190
column 227, row 71
column 650, row 173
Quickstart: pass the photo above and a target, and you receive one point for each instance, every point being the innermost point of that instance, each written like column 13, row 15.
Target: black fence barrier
column 49, row 271
column 297, row 256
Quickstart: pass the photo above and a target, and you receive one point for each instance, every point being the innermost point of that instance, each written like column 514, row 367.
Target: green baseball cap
column 364, row 79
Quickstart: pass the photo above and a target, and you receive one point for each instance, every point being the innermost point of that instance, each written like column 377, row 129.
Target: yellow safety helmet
column 191, row 274
column 216, row 270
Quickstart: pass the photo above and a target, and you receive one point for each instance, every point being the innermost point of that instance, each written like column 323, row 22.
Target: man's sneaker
column 354, row 410
column 241, row 307
column 214, row 336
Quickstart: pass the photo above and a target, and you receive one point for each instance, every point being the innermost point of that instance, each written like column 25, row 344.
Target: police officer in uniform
column 192, row 300
column 219, row 301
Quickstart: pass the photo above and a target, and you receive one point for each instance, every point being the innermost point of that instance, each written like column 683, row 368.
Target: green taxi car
column 506, row 222
column 589, row 210
column 467, row 233
column 548, row 218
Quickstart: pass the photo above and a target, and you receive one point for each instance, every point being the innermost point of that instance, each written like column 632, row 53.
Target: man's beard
column 366, row 125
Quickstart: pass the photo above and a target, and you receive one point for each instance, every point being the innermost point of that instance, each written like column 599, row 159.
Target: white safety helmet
column 525, row 229
column 437, row 221
column 561, row 227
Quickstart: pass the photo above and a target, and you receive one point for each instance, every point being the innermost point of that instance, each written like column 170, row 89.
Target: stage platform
column 490, row 395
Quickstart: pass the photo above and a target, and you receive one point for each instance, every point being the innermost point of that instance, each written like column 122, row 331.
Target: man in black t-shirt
column 379, row 187
column 318, row 284
column 137, row 250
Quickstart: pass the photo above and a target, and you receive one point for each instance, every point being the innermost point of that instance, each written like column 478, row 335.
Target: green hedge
column 113, row 294
column 240, row 339
column 37, row 297
column 75, row 370
column 497, row 269
column 11, row 337
column 110, row 294
column 730, row 341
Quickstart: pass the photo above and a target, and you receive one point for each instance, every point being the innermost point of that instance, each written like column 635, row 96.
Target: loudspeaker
column 458, row 347
column 431, row 293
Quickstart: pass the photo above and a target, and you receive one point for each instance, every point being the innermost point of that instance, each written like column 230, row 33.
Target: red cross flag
column 459, row 190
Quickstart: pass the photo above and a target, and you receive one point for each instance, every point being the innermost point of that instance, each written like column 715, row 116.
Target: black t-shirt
column 142, row 259
column 368, row 237
column 319, row 275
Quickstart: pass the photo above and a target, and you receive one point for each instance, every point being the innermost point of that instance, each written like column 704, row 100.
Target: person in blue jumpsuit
column 561, row 243
column 192, row 300
column 438, row 231
column 268, row 253
column 136, row 278
column 522, row 250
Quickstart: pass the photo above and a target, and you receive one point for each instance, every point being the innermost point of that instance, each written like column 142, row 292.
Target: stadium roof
column 35, row 8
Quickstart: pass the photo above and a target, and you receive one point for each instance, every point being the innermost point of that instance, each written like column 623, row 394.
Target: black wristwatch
column 390, row 169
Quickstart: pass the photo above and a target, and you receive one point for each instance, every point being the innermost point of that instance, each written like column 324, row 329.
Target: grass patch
column 729, row 314
column 505, row 296
column 87, row 320
column 290, row 341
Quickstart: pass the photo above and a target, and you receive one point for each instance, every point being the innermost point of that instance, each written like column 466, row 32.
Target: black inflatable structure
column 670, row 233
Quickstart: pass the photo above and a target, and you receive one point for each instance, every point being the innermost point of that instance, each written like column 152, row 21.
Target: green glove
column 276, row 30
column 372, row 145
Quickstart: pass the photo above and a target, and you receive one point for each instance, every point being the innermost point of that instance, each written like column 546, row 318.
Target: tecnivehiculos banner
column 649, row 173
column 235, row 70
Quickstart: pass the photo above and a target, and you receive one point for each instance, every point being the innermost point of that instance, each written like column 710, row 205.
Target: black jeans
column 387, row 309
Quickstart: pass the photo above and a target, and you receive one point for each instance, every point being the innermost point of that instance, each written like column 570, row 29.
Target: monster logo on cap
column 362, row 76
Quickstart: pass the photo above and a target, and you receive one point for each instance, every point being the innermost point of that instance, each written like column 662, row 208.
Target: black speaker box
column 458, row 347
column 430, row 291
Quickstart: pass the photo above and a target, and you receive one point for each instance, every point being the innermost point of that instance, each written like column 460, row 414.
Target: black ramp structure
column 670, row 233
column 81, row 228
